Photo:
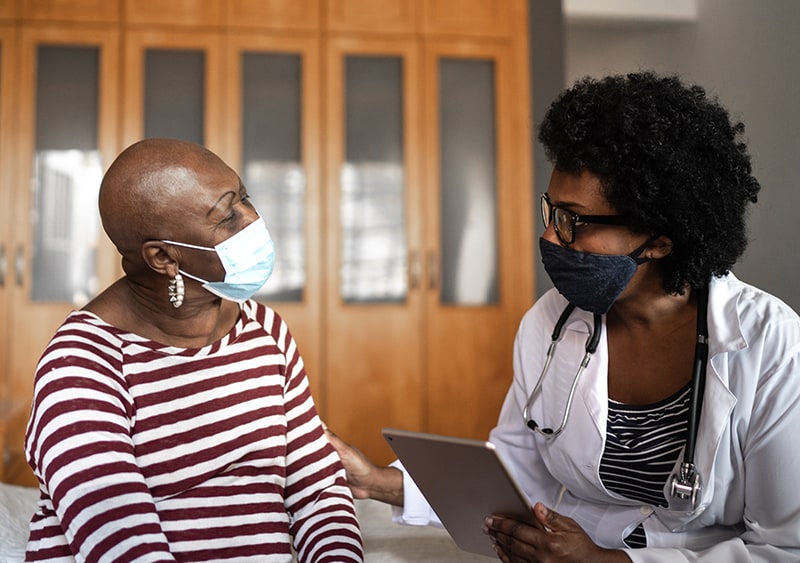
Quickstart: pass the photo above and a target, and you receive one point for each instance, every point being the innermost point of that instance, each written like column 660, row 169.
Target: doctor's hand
column 365, row 479
column 552, row 538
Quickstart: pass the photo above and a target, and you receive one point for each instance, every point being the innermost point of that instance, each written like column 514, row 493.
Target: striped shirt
column 147, row 452
column 643, row 442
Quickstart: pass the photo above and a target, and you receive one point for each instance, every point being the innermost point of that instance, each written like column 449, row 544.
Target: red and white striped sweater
column 148, row 452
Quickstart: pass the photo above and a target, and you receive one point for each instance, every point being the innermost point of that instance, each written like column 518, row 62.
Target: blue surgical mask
column 589, row 281
column 248, row 258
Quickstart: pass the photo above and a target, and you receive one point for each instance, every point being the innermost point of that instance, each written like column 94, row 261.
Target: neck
column 650, row 307
column 139, row 309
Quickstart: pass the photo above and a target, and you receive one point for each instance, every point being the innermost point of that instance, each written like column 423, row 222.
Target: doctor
column 677, row 440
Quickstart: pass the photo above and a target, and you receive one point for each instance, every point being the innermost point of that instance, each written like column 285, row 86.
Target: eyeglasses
column 564, row 221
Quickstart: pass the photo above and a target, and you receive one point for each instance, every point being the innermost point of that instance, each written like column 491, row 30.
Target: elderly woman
column 680, row 444
column 172, row 419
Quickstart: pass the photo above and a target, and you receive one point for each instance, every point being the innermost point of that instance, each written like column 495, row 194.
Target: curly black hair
column 670, row 161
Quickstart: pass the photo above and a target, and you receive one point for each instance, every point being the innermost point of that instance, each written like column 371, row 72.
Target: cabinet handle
column 414, row 270
column 19, row 264
column 2, row 265
column 433, row 270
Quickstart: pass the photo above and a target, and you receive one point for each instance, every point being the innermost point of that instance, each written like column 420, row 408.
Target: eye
column 245, row 199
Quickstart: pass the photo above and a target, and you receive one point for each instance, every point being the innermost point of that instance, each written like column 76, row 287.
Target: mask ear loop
column 637, row 252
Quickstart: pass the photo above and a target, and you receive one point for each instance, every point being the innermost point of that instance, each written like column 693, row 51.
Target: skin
column 645, row 327
column 164, row 189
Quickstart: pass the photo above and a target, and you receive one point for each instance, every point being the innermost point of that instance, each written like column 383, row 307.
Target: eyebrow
column 220, row 204
column 565, row 204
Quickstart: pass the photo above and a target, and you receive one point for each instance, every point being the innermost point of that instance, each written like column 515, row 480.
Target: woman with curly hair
column 677, row 442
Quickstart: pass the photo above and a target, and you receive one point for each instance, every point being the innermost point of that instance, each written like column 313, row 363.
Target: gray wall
column 746, row 52
column 546, row 31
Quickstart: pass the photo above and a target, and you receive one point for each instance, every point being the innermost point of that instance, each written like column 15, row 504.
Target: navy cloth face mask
column 589, row 281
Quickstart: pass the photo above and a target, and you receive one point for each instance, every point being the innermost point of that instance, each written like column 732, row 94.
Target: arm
column 79, row 447
column 324, row 524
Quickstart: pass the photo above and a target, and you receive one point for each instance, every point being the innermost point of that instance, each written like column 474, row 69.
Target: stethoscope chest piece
column 685, row 488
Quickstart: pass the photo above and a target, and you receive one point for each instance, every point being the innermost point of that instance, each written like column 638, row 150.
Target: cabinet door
column 478, row 251
column 185, row 12
column 272, row 138
column 8, row 9
column 478, row 18
column 66, row 138
column 373, row 16
column 173, row 87
column 279, row 15
column 7, row 183
column 87, row 11
column 373, row 328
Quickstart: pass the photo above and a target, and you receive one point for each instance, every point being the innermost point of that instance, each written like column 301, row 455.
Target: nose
column 550, row 235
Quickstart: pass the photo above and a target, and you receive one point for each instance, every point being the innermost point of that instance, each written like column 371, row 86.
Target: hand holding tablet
column 464, row 481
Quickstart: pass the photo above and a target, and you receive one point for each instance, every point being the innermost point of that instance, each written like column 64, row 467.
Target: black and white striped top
column 643, row 442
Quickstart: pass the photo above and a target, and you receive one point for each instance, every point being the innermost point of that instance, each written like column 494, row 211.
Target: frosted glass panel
column 272, row 164
column 469, row 239
column 66, row 176
column 374, row 253
column 174, row 94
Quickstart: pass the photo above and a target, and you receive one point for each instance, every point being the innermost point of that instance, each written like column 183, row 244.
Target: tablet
column 463, row 480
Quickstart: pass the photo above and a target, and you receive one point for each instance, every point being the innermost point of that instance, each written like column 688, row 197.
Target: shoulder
column 85, row 330
column 269, row 320
column 255, row 311
column 85, row 352
column 742, row 314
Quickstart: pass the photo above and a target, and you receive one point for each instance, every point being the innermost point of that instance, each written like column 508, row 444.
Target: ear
column 658, row 248
column 161, row 257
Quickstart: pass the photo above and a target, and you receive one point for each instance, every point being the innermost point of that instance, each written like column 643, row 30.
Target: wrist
column 387, row 485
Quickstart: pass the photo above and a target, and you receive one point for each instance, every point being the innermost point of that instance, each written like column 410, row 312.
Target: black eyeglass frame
column 549, row 211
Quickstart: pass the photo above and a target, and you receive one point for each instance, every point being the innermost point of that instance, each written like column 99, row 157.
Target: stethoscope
column 685, row 484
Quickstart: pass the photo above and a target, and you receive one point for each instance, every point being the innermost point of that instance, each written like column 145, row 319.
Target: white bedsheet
column 384, row 541
column 17, row 505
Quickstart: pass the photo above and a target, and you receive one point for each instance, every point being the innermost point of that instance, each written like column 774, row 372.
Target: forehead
column 581, row 193
column 207, row 190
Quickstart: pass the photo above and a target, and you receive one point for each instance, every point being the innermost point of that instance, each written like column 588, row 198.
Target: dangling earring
column 176, row 291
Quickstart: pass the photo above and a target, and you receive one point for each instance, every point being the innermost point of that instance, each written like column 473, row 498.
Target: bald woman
column 172, row 418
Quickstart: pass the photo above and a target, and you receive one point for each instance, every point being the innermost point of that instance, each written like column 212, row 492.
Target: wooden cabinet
column 386, row 142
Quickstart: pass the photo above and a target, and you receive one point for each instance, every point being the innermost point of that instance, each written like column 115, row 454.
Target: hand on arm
column 551, row 538
column 367, row 480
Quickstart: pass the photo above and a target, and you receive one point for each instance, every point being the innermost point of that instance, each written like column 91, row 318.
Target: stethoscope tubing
column 590, row 348
column 685, row 484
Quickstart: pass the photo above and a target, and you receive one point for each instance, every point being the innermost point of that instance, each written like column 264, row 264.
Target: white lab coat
column 748, row 445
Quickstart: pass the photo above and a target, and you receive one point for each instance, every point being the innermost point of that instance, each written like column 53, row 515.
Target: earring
column 176, row 291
